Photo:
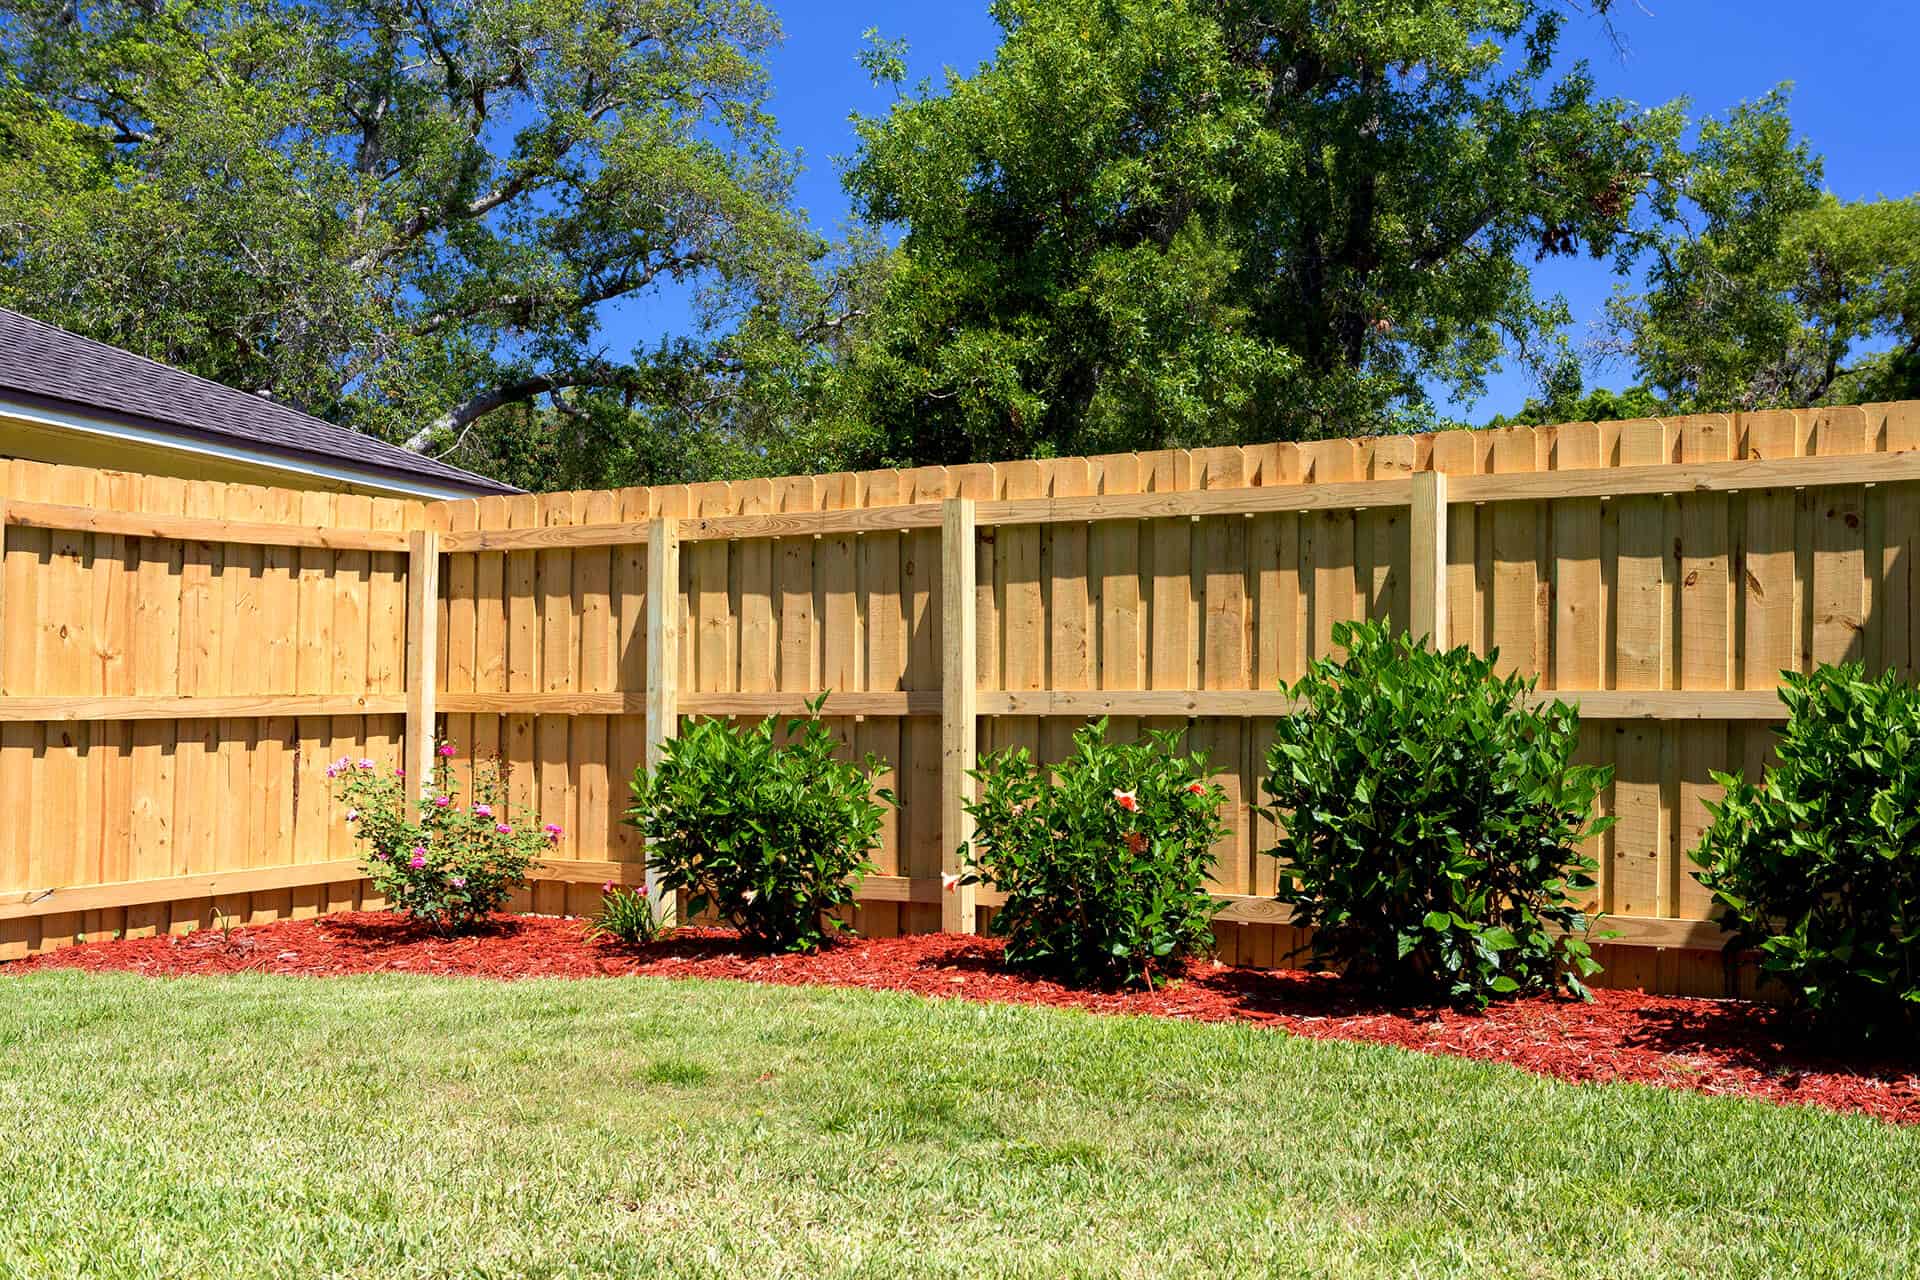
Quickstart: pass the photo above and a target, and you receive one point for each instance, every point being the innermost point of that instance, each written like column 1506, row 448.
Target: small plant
column 772, row 836
column 1433, row 817
column 453, row 864
column 626, row 915
column 1104, row 858
column 1817, row 867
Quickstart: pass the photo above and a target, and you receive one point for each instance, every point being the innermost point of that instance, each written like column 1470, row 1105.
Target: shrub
column 1817, row 867
column 626, row 915
column 1432, row 818
column 773, row 837
column 453, row 865
column 1103, row 858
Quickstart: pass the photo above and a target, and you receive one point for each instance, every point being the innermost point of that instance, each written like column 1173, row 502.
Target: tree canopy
column 409, row 215
column 1147, row 223
column 1761, row 289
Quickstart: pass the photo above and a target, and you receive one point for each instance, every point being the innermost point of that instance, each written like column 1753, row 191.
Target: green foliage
column 774, row 836
column 1567, row 400
column 1433, row 818
column 452, row 865
column 1146, row 223
column 408, row 217
column 1763, row 290
column 1104, row 857
column 1817, row 867
column 626, row 915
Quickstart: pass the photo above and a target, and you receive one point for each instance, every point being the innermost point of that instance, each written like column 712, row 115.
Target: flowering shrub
column 1817, row 866
column 452, row 865
column 1103, row 857
column 1433, row 819
column 773, row 837
column 626, row 915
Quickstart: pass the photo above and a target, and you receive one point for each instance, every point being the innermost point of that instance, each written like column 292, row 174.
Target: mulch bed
column 1709, row 1046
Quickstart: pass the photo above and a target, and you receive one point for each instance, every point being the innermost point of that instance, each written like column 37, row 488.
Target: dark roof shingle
column 49, row 363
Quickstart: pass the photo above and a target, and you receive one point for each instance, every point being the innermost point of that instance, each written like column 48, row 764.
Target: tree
column 1598, row 405
column 411, row 216
column 1761, row 289
column 1150, row 223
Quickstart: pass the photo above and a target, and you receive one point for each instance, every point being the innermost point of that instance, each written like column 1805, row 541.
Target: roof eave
column 74, row 416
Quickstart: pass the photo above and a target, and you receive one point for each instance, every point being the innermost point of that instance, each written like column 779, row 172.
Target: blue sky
column 1851, row 62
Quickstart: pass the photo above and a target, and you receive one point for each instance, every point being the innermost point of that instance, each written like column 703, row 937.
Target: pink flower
column 441, row 802
column 1126, row 800
column 366, row 763
column 353, row 815
column 458, row 882
column 503, row 829
column 419, row 858
column 483, row 811
column 399, row 773
column 553, row 833
column 642, row 891
column 446, row 749
column 607, row 887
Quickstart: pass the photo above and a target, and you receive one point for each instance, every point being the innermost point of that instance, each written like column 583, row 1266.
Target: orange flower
column 1126, row 800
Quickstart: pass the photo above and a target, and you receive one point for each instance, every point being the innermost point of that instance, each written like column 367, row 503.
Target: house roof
column 51, row 368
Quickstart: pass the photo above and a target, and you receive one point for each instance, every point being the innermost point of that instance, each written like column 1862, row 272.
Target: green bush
column 1103, row 858
column 1433, row 818
column 772, row 836
column 453, row 864
column 1817, row 868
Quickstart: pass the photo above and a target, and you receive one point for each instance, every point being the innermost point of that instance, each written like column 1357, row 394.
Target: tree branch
column 597, row 374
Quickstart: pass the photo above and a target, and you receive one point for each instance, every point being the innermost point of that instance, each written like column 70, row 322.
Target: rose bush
column 443, row 863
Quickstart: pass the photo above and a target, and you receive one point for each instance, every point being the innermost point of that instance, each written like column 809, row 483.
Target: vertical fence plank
column 1427, row 535
column 958, row 722
column 1838, row 609
column 423, row 648
column 1897, row 606
column 663, row 658
column 1454, row 453
column 920, row 770
column 1326, row 546
column 883, row 620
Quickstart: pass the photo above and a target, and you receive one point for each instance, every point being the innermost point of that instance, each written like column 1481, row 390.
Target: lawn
column 410, row 1127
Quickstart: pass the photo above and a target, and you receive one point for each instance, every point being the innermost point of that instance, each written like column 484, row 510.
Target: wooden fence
column 1660, row 573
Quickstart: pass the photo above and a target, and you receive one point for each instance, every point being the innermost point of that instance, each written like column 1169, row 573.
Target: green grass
column 402, row 1127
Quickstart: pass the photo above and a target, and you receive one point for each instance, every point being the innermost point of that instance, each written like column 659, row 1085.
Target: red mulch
column 1710, row 1046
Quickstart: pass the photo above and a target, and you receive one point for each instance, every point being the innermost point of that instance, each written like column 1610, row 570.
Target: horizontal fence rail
column 180, row 660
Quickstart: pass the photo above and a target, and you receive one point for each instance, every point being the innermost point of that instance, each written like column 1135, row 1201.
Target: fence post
column 663, row 663
column 958, row 706
column 423, row 650
column 1427, row 527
